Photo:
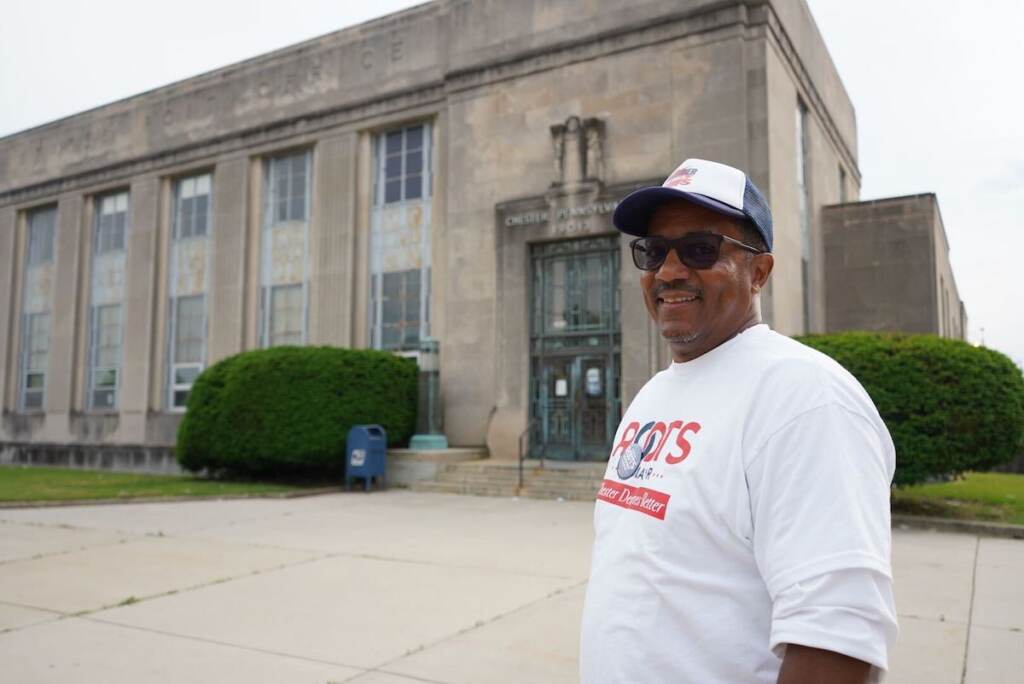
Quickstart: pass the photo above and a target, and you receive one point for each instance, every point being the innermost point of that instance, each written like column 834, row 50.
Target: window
column 285, row 250
column 186, row 329
column 103, row 377
column 36, row 346
column 402, row 173
column 400, row 326
column 188, row 335
column 842, row 184
column 400, row 238
column 110, row 223
column 42, row 226
column 106, row 356
column 192, row 207
column 37, row 298
column 288, row 188
column 286, row 310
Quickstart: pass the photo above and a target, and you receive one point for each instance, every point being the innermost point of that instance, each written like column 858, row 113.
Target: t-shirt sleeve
column 819, row 495
column 848, row 611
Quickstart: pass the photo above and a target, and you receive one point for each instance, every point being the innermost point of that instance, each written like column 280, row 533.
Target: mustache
column 678, row 287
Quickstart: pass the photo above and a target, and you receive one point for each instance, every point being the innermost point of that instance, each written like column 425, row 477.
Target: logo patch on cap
column 681, row 176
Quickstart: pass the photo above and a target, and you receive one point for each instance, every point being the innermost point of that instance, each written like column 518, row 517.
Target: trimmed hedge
column 949, row 406
column 287, row 410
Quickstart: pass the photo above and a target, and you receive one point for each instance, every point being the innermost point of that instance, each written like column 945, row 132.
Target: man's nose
column 673, row 268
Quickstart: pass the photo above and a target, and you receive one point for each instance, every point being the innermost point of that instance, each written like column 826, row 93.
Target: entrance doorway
column 574, row 343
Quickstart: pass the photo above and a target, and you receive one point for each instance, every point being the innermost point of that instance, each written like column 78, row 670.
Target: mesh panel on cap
column 756, row 208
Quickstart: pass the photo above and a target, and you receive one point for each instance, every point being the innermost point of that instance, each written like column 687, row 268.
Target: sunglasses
column 695, row 250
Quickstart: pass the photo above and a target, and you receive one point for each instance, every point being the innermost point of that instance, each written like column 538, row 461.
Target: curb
column 987, row 529
column 168, row 499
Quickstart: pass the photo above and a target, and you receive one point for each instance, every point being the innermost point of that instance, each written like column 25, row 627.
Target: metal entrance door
column 575, row 348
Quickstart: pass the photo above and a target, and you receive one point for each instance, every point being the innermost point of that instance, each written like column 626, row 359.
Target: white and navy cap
column 716, row 186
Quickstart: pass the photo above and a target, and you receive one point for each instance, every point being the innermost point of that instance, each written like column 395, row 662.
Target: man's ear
column 760, row 268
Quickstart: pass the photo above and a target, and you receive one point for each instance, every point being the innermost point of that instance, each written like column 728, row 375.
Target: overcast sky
column 936, row 85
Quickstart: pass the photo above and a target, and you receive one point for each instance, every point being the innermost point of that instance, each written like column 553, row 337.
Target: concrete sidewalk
column 393, row 588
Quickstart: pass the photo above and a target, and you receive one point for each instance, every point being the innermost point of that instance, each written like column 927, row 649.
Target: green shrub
column 949, row 406
column 287, row 410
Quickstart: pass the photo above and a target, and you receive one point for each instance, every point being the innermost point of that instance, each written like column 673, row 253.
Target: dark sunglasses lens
column 649, row 253
column 696, row 251
column 700, row 251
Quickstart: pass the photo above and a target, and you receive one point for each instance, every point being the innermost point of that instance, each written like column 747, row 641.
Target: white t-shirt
column 745, row 506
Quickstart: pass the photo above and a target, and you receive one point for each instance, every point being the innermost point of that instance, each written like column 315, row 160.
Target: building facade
column 893, row 245
column 447, row 171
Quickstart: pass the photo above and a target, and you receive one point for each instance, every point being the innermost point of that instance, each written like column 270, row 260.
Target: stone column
column 141, row 273
column 332, row 242
column 67, row 326
column 9, row 308
column 229, row 228
column 361, row 243
column 253, row 244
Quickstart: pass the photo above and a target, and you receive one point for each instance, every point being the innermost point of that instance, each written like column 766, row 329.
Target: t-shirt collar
column 712, row 355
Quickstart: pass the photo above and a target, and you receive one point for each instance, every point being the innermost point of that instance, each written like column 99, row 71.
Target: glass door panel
column 592, row 407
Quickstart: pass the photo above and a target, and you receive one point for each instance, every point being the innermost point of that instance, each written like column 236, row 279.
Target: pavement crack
column 51, row 616
column 65, row 552
column 970, row 610
column 135, row 600
column 476, row 625
column 442, row 564
column 29, row 607
column 218, row 642
column 411, row 678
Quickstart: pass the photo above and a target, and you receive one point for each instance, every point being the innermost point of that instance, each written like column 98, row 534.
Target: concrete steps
column 571, row 482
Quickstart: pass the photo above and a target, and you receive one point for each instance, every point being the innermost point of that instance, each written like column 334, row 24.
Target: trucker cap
column 716, row 186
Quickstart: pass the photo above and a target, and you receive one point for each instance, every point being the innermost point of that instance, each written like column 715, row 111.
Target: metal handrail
column 522, row 450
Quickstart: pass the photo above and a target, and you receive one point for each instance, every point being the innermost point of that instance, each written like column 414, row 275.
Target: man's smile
column 673, row 298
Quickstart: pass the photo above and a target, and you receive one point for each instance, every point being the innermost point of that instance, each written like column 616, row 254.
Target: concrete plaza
column 395, row 588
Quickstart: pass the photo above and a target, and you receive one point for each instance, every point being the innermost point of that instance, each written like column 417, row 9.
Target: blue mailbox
column 365, row 451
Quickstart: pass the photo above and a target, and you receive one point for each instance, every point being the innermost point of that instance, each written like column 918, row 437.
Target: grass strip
column 990, row 497
column 18, row 483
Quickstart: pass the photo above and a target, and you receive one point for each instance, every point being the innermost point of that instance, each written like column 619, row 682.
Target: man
column 742, row 529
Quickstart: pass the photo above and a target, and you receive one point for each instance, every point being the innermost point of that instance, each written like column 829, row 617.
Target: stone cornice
column 744, row 15
column 307, row 125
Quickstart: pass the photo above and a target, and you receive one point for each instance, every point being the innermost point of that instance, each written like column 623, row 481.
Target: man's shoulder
column 791, row 359
column 790, row 371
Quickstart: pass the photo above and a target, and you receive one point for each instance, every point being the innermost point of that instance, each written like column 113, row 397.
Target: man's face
column 697, row 310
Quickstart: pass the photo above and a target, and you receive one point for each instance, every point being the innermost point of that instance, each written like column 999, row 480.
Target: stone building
column 894, row 245
column 446, row 171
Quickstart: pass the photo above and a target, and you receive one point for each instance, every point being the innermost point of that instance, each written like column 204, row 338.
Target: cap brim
column 633, row 214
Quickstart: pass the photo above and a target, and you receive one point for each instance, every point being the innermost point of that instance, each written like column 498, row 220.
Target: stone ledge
column 406, row 467
column 450, row 455
column 125, row 458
